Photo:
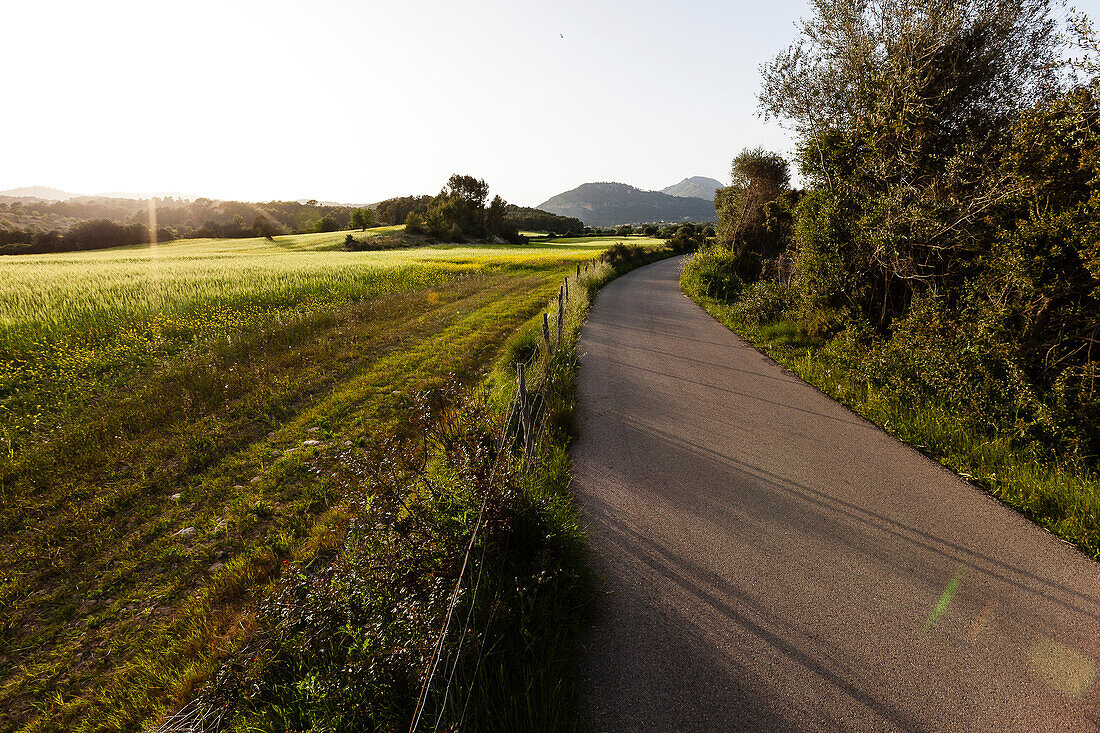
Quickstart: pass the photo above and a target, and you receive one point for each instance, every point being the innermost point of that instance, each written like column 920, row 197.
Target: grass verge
column 1061, row 495
column 345, row 639
column 165, row 467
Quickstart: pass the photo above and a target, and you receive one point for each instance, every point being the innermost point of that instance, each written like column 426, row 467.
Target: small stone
column 186, row 532
column 315, row 430
column 347, row 442
column 215, row 567
column 276, row 452
column 256, row 479
column 311, row 442
column 177, row 497
column 238, row 486
column 271, row 434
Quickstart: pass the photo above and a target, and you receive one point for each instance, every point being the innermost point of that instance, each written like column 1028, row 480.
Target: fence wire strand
column 532, row 442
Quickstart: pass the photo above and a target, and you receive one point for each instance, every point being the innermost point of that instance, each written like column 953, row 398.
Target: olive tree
column 901, row 110
column 759, row 177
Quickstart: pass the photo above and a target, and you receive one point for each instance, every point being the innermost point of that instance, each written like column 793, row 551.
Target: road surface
column 772, row 562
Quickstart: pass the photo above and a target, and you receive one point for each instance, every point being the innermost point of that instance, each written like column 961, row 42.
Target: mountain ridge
column 699, row 187
column 610, row 204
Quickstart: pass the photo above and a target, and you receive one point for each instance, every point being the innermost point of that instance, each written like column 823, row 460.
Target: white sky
column 359, row 101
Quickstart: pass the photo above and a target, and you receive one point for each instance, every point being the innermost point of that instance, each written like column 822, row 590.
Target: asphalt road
column 773, row 562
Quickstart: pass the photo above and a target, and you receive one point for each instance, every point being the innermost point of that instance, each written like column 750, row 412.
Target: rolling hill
column 699, row 187
column 611, row 204
column 33, row 194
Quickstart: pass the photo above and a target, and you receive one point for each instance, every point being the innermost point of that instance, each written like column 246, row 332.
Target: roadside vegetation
column 939, row 273
column 462, row 526
column 180, row 426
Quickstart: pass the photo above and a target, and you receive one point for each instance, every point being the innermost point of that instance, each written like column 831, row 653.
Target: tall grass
column 508, row 663
column 159, row 410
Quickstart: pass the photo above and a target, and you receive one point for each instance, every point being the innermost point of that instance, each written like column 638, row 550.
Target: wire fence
column 518, row 444
column 526, row 425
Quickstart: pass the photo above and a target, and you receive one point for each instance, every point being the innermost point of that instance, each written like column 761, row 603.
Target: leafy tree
column 519, row 217
column 460, row 204
column 414, row 223
column 494, row 217
column 362, row 219
column 264, row 227
column 901, row 108
column 759, row 177
column 396, row 210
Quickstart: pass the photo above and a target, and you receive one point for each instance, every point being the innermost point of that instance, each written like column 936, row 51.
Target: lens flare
column 945, row 598
column 1066, row 670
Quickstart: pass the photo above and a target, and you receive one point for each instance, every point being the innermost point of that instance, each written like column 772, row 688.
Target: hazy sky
column 359, row 101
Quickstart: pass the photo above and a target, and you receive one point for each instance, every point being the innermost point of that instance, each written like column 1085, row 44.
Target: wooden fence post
column 561, row 312
column 579, row 270
column 567, row 287
column 546, row 330
column 524, row 413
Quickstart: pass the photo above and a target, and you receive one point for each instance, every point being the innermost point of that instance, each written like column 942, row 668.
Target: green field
column 155, row 404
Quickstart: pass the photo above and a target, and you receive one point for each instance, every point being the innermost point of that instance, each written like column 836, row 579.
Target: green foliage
column 880, row 381
column 414, row 223
column 718, row 273
column 362, row 219
column 763, row 302
column 459, row 213
column 689, row 238
column 623, row 257
column 142, row 392
column 824, row 259
column 947, row 247
column 397, row 210
column 759, row 178
column 264, row 227
column 903, row 113
column 522, row 218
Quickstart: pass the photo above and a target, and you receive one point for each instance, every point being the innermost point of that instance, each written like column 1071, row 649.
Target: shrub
column 719, row 273
column 414, row 223
column 763, row 302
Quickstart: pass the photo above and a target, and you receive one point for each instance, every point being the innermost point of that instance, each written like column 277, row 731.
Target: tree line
column 461, row 210
column 947, row 233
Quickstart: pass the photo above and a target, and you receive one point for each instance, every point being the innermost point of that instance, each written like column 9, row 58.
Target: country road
column 772, row 562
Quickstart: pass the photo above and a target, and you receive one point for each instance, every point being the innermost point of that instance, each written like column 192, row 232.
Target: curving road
column 772, row 562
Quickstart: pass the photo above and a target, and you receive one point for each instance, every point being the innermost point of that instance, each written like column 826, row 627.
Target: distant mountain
column 699, row 187
column 38, row 192
column 611, row 204
column 33, row 194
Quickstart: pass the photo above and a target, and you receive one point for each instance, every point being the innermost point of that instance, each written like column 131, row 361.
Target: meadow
column 172, row 420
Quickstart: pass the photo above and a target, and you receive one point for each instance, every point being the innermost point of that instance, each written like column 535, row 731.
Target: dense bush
column 763, row 302
column 85, row 235
column 537, row 220
column 717, row 273
column 951, row 254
